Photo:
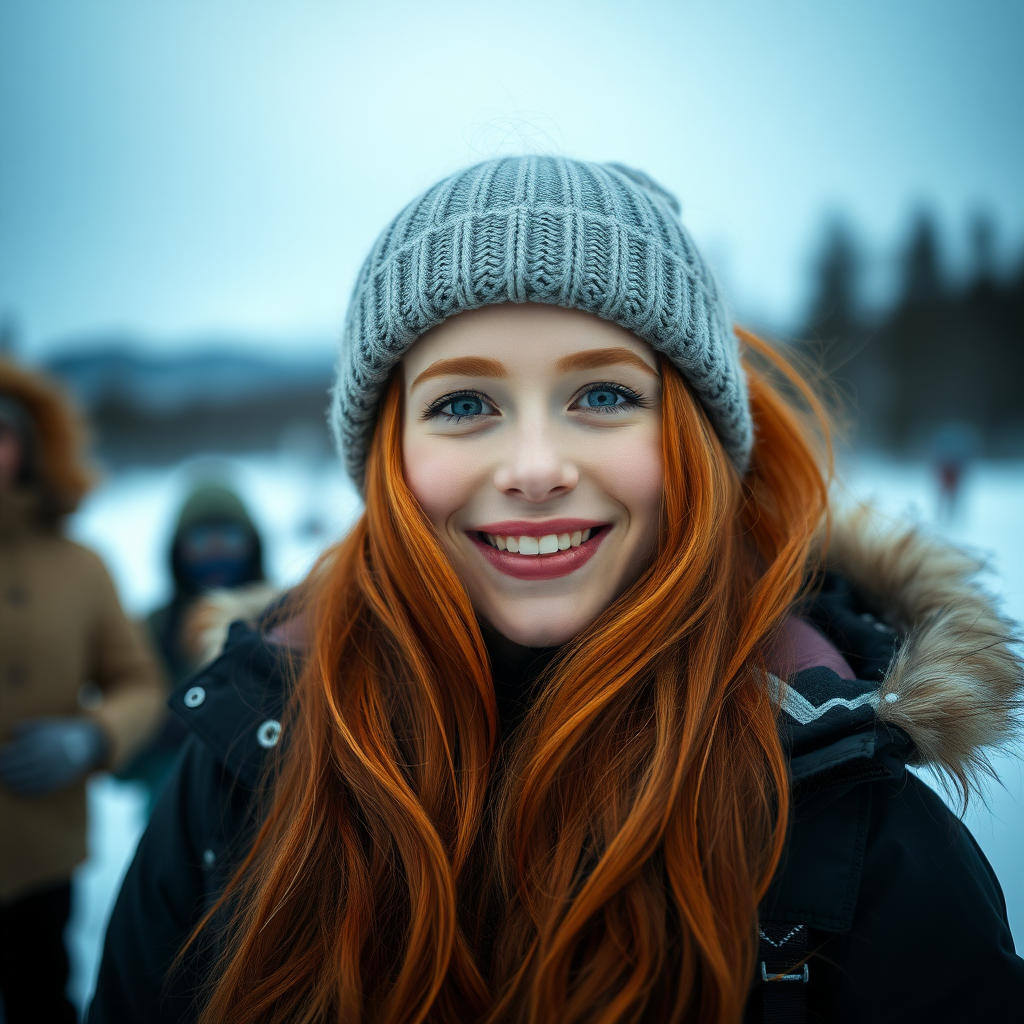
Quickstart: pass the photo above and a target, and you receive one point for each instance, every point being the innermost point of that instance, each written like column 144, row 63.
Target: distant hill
column 160, row 408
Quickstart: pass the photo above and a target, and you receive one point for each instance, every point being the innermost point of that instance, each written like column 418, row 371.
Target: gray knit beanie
column 602, row 238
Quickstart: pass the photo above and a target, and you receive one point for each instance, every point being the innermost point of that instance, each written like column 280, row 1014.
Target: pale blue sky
column 175, row 168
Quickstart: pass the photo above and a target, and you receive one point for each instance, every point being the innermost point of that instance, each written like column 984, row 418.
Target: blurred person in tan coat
column 61, row 630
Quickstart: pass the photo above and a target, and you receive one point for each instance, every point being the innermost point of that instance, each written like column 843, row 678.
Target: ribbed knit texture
column 595, row 237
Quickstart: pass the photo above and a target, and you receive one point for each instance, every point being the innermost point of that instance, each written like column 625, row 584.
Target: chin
column 546, row 630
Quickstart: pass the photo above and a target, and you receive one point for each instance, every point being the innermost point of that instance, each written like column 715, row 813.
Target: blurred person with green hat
column 215, row 546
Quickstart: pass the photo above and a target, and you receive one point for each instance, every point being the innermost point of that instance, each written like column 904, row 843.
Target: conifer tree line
column 946, row 354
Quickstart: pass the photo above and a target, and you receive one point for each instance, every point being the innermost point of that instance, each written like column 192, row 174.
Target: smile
column 546, row 545
column 537, row 555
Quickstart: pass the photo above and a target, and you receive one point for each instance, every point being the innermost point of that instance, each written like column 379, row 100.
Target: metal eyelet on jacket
column 194, row 697
column 269, row 733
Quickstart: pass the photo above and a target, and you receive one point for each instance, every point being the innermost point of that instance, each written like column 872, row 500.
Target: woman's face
column 532, row 441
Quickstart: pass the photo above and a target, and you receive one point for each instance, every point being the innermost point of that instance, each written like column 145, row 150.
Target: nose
column 536, row 469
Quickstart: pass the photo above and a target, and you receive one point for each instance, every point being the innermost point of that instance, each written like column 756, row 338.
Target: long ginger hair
column 605, row 862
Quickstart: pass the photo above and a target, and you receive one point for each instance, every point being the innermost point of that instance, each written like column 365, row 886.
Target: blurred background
column 187, row 189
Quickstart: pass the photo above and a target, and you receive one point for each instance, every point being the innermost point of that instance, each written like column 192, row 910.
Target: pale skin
column 532, row 420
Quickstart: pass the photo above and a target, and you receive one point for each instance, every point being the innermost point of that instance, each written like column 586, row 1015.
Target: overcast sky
column 180, row 168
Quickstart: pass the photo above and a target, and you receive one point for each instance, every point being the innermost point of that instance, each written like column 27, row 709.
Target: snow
column 301, row 503
column 116, row 821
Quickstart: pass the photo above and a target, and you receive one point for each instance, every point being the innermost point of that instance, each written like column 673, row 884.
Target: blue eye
column 469, row 405
column 460, row 406
column 602, row 398
column 609, row 397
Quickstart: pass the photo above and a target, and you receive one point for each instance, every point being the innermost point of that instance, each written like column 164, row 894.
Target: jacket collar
column 20, row 509
column 236, row 703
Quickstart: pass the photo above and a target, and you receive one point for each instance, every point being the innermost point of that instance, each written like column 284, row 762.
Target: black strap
column 783, row 971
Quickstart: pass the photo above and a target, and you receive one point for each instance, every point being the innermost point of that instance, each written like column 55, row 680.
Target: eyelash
column 434, row 411
column 633, row 400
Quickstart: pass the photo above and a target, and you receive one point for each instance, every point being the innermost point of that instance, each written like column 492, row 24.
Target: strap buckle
column 802, row 977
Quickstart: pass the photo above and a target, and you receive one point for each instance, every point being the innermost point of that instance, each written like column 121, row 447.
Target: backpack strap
column 783, row 972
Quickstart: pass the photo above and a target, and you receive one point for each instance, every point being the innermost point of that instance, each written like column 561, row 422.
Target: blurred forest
column 943, row 366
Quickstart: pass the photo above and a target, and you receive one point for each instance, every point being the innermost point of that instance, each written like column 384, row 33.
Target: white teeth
column 546, row 545
column 528, row 546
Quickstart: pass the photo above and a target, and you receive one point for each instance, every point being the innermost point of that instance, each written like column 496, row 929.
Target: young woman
column 591, row 718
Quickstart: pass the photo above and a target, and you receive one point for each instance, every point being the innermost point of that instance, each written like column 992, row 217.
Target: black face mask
column 212, row 555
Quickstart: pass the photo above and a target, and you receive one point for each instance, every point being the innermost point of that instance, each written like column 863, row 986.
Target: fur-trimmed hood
column 940, row 677
column 56, row 449
column 956, row 681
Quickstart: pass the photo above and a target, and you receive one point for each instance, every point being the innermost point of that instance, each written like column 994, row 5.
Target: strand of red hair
column 607, row 864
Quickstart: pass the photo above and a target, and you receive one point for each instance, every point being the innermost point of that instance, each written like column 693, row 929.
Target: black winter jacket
column 883, row 894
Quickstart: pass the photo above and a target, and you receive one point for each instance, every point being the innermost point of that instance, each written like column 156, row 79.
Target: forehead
column 527, row 333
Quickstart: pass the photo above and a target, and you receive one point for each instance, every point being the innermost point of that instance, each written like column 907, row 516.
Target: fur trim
column 955, row 686
column 61, row 435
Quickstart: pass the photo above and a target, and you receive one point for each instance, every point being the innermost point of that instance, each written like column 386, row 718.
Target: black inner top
column 515, row 670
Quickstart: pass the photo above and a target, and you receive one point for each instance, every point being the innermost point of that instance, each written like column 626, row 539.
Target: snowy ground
column 301, row 503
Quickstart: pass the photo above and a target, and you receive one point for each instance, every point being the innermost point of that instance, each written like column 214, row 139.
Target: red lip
column 533, row 528
column 540, row 567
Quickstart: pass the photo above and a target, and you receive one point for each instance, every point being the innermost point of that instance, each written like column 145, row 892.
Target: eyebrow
column 464, row 366
column 477, row 366
column 595, row 358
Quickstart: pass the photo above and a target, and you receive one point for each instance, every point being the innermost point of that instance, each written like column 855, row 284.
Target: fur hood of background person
column 54, row 459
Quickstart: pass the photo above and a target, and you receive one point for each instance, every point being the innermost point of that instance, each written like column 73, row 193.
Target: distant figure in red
column 952, row 448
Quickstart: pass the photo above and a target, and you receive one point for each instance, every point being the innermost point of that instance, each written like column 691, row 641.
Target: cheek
column 438, row 477
column 634, row 476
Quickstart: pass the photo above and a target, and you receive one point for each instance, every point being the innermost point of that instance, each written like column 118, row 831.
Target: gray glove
column 45, row 754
